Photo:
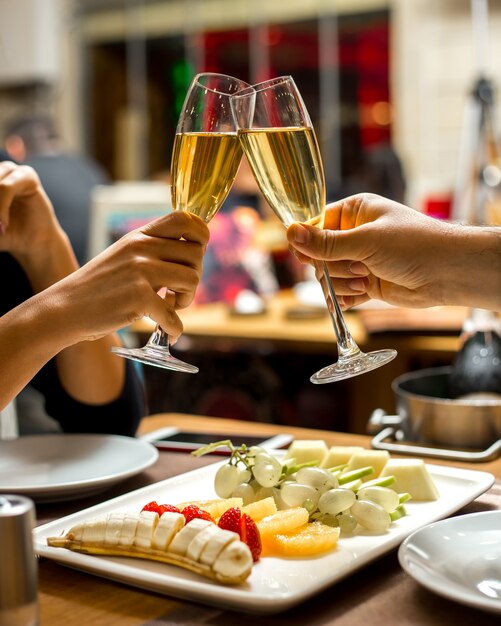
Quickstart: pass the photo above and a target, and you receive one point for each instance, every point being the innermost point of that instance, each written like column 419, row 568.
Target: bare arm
column 377, row 248
column 75, row 311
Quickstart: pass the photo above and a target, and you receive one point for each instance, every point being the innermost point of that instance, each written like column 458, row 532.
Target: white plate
column 458, row 558
column 48, row 468
column 274, row 584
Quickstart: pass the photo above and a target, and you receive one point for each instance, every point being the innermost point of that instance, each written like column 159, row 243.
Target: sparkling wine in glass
column 279, row 142
column 205, row 160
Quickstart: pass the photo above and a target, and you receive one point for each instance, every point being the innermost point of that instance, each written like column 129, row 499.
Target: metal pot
column 427, row 415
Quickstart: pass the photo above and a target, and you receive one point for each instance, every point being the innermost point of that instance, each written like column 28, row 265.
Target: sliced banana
column 213, row 548
column 200, row 540
column 168, row 526
column 199, row 546
column 128, row 530
column 179, row 545
column 114, row 524
column 95, row 531
column 233, row 559
column 146, row 525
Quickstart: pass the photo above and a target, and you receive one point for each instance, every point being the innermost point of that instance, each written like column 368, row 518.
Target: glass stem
column 346, row 345
column 159, row 339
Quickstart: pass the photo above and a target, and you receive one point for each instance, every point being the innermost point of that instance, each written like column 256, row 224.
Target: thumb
column 326, row 245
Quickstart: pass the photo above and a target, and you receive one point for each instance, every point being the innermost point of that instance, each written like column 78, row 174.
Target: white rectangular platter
column 274, row 584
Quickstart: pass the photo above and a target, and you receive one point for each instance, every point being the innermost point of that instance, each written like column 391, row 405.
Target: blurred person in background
column 68, row 178
column 57, row 320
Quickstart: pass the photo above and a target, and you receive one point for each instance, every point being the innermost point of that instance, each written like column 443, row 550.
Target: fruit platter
column 260, row 531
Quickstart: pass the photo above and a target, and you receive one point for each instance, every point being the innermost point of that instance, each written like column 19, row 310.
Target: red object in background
column 438, row 206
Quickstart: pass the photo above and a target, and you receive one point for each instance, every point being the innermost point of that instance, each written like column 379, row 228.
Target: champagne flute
column 279, row 142
column 205, row 160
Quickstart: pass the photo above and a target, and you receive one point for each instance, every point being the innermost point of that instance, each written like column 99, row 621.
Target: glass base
column 159, row 357
column 355, row 365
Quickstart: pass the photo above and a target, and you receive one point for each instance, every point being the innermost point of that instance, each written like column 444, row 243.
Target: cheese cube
column 339, row 455
column 306, row 450
column 412, row 476
column 376, row 458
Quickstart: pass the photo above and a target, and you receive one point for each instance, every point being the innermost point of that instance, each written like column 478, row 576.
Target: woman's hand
column 120, row 285
column 377, row 248
column 28, row 224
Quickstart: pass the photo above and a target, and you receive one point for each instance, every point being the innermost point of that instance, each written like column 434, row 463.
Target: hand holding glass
column 205, row 161
column 279, row 142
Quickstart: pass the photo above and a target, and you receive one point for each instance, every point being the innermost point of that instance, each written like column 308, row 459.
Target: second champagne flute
column 205, row 161
column 280, row 144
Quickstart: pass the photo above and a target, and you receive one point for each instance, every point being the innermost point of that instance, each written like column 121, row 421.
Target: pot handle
column 379, row 443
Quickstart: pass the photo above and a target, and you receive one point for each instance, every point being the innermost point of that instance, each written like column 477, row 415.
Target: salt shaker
column 18, row 566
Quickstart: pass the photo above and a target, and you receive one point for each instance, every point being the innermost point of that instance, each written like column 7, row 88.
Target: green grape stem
column 398, row 513
column 383, row 481
column 337, row 468
column 210, row 447
column 349, row 477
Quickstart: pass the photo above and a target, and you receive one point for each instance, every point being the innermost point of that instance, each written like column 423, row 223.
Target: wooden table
column 380, row 594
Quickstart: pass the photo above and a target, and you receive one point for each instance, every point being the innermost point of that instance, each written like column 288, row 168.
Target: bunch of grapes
column 332, row 496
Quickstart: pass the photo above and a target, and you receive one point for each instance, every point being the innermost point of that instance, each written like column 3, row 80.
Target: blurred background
column 387, row 84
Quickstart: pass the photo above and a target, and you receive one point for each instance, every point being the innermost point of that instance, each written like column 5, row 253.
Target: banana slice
column 182, row 540
column 213, row 548
column 146, row 525
column 199, row 546
column 113, row 529
column 233, row 559
column 128, row 531
column 200, row 540
column 168, row 526
column 95, row 531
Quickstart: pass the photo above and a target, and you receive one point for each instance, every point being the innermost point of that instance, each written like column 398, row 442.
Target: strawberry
column 242, row 524
column 163, row 508
column 160, row 508
column 151, row 506
column 191, row 511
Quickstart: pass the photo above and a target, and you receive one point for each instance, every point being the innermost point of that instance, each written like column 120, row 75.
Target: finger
column 6, row 193
column 178, row 278
column 179, row 225
column 330, row 245
column 15, row 180
column 163, row 314
column 350, row 286
column 348, row 302
column 347, row 269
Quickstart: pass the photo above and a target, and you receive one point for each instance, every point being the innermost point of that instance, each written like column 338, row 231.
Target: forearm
column 473, row 275
column 88, row 371
column 30, row 335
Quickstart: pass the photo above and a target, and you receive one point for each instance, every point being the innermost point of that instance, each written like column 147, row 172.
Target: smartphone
column 175, row 440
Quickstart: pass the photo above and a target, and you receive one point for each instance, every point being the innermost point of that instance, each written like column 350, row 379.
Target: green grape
column 387, row 498
column 371, row 516
column 296, row 494
column 317, row 477
column 347, row 523
column 226, row 480
column 336, row 501
column 267, row 470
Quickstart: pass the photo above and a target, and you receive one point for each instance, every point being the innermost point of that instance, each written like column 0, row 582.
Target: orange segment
column 260, row 509
column 282, row 522
column 308, row 540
